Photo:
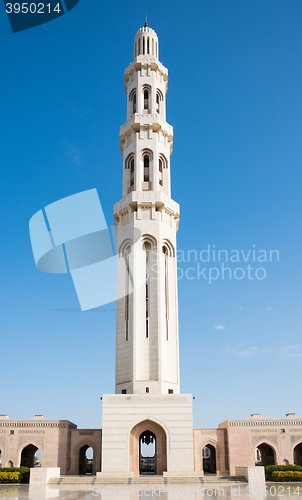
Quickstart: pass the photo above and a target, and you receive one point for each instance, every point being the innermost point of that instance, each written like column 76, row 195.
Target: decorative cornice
column 153, row 120
column 263, row 423
column 142, row 197
column 56, row 424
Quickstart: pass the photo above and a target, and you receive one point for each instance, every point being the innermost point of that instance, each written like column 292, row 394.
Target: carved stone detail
column 295, row 439
column 265, row 438
column 266, row 430
column 35, row 440
column 31, row 432
column 2, row 443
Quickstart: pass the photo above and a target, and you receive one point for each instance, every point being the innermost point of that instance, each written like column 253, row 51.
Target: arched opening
column 30, row 456
column 146, row 185
column 298, row 454
column 159, row 98
column 0, row 458
column 9, row 464
column 147, row 453
column 147, row 249
column 162, row 163
column 132, row 98
column 146, row 100
column 209, row 459
column 129, row 165
column 146, row 168
column 126, row 254
column 148, row 448
column 86, row 459
column 266, row 455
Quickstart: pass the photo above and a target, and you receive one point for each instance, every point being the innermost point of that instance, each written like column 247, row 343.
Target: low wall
column 41, row 475
column 254, row 475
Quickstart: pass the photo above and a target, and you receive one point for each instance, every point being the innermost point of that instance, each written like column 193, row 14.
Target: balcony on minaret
column 153, row 121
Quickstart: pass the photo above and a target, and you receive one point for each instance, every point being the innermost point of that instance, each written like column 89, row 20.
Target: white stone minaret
column 146, row 219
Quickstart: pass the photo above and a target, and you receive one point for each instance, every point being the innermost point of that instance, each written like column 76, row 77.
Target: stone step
column 156, row 480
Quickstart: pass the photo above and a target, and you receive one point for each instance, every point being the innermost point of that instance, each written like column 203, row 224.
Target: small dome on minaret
column 146, row 42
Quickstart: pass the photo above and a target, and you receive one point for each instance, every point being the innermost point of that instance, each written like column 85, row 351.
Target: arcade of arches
column 147, row 444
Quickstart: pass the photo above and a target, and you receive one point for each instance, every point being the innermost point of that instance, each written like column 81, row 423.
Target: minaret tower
column 146, row 219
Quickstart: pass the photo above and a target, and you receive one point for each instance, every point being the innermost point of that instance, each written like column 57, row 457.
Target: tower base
column 168, row 417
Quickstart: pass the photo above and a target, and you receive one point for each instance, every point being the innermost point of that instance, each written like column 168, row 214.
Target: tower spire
column 146, row 21
column 146, row 222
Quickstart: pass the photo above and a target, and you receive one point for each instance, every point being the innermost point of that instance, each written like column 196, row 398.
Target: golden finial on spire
column 146, row 22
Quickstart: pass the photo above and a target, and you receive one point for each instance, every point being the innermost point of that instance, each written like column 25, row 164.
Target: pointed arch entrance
column 209, row 459
column 267, row 455
column 28, row 456
column 86, row 459
column 298, row 454
column 147, row 453
column 144, row 434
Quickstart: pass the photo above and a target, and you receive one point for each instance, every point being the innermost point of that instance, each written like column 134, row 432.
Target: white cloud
column 269, row 309
column 73, row 153
column 291, row 351
column 245, row 354
column 248, row 353
column 219, row 327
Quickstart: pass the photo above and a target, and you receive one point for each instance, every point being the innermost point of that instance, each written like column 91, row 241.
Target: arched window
column 149, row 244
column 168, row 251
column 146, row 167
column 143, row 45
column 132, row 97
column 147, row 248
column 148, row 45
column 160, row 172
column 162, row 163
column 138, row 46
column 159, row 98
column 153, row 46
column 126, row 254
column 157, row 103
column 146, row 99
column 129, row 164
column 166, row 254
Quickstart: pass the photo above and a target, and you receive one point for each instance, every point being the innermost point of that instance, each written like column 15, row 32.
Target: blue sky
column 234, row 100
